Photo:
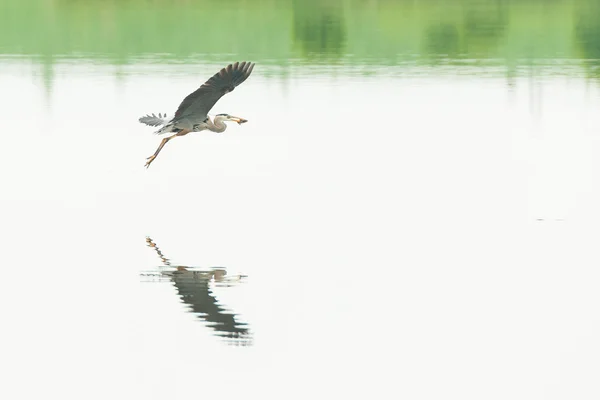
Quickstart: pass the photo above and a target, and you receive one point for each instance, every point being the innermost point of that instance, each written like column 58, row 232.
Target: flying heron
column 192, row 114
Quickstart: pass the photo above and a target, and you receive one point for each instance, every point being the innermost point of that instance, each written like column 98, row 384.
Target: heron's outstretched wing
column 153, row 120
column 204, row 98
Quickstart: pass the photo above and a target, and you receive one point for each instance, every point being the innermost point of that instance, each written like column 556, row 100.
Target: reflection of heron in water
column 194, row 289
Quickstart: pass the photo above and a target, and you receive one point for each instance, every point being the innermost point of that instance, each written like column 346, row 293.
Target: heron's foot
column 150, row 159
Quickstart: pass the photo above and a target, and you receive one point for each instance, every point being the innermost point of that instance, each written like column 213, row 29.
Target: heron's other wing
column 204, row 98
column 153, row 120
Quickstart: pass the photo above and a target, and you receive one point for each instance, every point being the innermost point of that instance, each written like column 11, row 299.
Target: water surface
column 411, row 210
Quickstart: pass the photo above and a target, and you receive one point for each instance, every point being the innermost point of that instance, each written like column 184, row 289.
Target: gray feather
column 198, row 103
column 154, row 120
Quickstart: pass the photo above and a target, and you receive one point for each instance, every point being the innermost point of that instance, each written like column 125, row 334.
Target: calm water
column 410, row 212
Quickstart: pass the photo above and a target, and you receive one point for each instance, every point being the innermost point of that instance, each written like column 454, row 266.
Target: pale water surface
column 401, row 217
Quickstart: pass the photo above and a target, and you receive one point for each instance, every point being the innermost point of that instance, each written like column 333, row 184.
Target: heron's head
column 227, row 117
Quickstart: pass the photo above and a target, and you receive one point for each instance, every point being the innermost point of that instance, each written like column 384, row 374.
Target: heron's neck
column 217, row 125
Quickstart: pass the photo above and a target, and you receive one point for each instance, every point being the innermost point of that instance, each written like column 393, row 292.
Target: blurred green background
column 316, row 32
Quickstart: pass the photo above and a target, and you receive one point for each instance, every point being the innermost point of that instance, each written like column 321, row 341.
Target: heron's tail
column 154, row 120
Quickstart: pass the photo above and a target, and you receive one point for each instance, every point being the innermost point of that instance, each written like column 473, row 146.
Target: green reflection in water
column 484, row 25
column 286, row 32
column 319, row 28
column 587, row 30
column 443, row 40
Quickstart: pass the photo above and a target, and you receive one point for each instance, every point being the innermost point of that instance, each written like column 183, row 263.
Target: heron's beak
column 239, row 120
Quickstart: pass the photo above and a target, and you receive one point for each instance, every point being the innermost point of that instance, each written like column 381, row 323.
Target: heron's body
column 216, row 124
column 192, row 114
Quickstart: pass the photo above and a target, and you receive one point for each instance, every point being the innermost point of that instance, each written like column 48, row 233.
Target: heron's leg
column 162, row 144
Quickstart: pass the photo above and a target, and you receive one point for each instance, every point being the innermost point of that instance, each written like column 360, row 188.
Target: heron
column 192, row 113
